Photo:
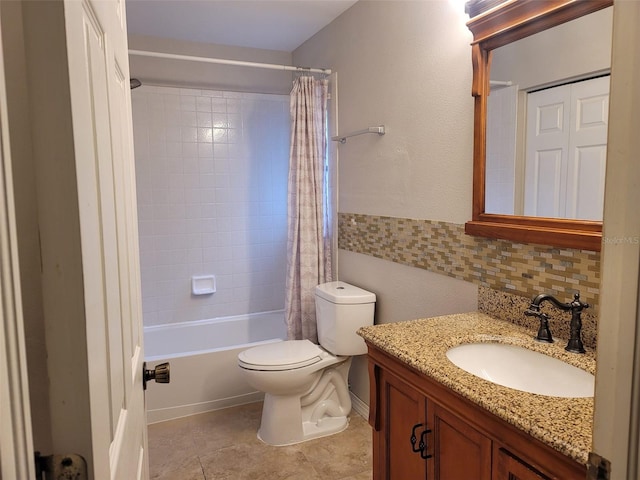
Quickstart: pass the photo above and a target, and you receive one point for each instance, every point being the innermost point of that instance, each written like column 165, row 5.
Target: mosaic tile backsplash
column 520, row 269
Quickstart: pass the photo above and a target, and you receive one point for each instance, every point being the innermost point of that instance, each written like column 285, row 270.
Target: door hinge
column 61, row 467
column 598, row 468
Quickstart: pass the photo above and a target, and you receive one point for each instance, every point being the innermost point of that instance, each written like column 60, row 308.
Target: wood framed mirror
column 500, row 25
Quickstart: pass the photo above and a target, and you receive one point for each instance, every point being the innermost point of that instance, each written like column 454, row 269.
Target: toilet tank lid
column 341, row 292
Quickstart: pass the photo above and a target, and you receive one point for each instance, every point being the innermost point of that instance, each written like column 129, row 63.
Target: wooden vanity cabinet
column 459, row 450
column 509, row 467
column 403, row 414
column 461, row 440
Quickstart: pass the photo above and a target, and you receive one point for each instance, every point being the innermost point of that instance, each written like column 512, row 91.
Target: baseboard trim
column 359, row 406
column 163, row 414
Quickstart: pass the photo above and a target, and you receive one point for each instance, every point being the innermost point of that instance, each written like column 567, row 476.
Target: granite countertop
column 565, row 424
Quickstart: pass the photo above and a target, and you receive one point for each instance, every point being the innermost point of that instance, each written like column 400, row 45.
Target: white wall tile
column 204, row 119
column 212, row 177
column 205, row 150
column 190, row 149
column 188, row 103
column 189, row 134
column 189, row 119
column 219, row 105
column 173, row 134
column 203, row 104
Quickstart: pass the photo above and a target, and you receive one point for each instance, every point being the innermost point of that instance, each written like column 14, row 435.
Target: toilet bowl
column 306, row 385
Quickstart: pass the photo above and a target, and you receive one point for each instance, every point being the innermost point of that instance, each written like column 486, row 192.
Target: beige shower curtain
column 308, row 244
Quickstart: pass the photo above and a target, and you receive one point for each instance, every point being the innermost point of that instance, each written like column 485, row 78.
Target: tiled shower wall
column 211, row 172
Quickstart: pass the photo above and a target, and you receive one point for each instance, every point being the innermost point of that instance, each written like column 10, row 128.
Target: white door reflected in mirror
column 566, row 150
column 547, row 122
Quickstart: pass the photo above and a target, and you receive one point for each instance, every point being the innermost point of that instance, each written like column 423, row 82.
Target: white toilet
column 306, row 385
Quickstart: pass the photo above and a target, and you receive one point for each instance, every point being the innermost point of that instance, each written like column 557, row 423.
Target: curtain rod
column 223, row 61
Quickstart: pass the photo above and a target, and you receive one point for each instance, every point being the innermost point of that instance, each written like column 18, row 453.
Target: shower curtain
column 308, row 242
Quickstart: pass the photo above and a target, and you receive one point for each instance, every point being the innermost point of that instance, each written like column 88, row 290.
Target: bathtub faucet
column 575, row 307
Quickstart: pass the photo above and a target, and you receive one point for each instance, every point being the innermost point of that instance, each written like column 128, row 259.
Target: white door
column 102, row 131
column 566, row 150
column 80, row 130
column 587, row 149
column 548, row 124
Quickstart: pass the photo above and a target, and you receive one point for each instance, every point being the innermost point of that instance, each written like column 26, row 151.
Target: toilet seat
column 287, row 355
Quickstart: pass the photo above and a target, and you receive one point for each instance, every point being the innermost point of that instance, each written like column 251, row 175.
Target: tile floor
column 222, row 445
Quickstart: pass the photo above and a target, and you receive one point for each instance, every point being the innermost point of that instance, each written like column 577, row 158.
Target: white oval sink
column 522, row 369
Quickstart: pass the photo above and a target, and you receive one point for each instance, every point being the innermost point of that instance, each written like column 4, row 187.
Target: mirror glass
column 547, row 119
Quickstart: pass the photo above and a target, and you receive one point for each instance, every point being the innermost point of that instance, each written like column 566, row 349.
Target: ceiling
column 274, row 25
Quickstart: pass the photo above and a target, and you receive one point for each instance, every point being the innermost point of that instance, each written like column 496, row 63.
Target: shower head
column 135, row 83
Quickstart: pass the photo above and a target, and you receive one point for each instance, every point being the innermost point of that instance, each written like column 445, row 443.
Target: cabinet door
column 459, row 450
column 508, row 467
column 401, row 409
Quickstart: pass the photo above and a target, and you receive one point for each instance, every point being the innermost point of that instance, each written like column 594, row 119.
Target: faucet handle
column 578, row 305
column 544, row 332
column 575, row 341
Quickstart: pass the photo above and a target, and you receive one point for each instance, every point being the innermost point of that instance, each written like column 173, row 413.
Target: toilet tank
column 341, row 309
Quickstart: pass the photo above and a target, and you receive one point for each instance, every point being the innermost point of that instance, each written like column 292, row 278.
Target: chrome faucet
column 575, row 307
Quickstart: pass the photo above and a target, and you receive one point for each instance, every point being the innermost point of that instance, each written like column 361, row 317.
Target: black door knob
column 161, row 374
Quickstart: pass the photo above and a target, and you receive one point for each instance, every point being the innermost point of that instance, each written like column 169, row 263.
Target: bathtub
column 203, row 357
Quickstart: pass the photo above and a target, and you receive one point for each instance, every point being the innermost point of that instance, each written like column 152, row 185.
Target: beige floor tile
column 222, row 445
column 170, row 447
column 224, row 428
column 341, row 455
column 187, row 468
column 258, row 461
column 366, row 475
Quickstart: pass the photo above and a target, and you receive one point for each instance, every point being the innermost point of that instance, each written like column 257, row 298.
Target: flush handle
column 161, row 374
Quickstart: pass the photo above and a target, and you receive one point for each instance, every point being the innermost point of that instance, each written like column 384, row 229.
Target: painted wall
column 406, row 65
column 211, row 172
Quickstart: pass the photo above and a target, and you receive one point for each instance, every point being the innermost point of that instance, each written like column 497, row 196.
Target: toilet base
column 324, row 427
column 312, row 430
column 321, row 411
